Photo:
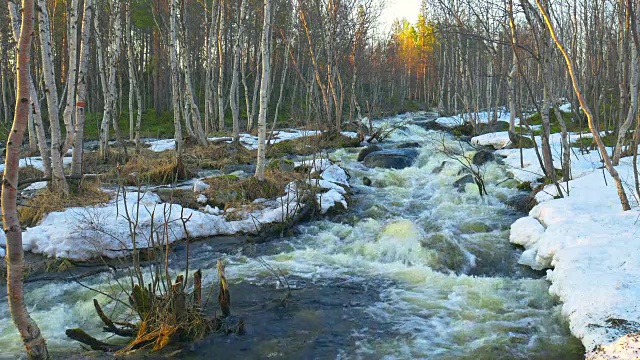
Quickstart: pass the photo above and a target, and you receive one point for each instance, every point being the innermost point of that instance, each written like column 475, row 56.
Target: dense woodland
column 123, row 70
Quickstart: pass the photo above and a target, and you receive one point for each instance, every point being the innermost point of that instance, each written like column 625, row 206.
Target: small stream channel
column 416, row 268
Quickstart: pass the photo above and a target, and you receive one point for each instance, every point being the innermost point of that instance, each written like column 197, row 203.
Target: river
column 416, row 268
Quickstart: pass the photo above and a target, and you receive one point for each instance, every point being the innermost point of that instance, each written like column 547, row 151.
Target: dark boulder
column 482, row 157
column 410, row 145
column 391, row 159
column 521, row 202
column 460, row 183
column 493, row 127
column 366, row 181
column 368, row 150
column 438, row 169
column 432, row 125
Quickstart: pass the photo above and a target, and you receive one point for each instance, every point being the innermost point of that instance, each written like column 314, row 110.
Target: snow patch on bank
column 36, row 162
column 82, row 233
column 497, row 139
column 591, row 244
column 249, row 141
column 481, row 117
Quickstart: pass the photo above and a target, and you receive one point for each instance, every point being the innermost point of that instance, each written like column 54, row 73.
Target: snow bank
column 592, row 247
column 249, row 141
column 106, row 230
column 161, row 145
column 497, row 139
column 482, row 117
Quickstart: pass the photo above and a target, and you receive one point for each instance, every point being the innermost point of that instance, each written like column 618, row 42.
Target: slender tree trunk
column 72, row 76
column 221, row 32
column 283, row 79
column 33, row 99
column 233, row 91
column 192, row 118
column 633, row 108
column 264, row 91
column 34, row 343
column 175, row 85
column 58, row 181
column 256, row 86
column 81, row 100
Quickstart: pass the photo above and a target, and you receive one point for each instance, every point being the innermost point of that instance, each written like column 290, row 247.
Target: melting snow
column 104, row 230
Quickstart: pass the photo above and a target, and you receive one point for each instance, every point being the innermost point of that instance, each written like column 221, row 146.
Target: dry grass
column 157, row 170
column 311, row 144
column 231, row 192
column 215, row 156
column 46, row 201
column 94, row 164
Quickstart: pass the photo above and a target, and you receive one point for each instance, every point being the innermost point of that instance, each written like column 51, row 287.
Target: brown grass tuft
column 229, row 191
column 46, row 201
column 215, row 156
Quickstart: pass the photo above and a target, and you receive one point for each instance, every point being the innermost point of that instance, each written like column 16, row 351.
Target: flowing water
column 416, row 268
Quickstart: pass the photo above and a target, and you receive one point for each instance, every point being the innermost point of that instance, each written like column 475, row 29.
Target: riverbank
column 586, row 244
column 104, row 231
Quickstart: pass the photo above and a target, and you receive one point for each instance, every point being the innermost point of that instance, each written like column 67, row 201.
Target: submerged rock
column 473, row 227
column 432, row 125
column 391, row 159
column 460, row 183
column 482, row 157
column 522, row 202
column 409, row 145
column 366, row 181
column 368, row 150
column 439, row 168
column 444, row 253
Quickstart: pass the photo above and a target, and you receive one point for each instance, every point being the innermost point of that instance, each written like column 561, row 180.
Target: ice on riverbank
column 106, row 230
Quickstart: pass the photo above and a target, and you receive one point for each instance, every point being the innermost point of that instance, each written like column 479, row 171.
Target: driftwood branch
column 95, row 344
column 110, row 326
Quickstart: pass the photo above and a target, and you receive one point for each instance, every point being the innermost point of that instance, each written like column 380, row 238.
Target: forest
column 445, row 149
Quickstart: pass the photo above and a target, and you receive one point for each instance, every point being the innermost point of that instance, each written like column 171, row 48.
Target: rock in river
column 391, row 159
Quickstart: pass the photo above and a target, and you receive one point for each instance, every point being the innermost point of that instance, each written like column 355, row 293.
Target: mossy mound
column 474, row 227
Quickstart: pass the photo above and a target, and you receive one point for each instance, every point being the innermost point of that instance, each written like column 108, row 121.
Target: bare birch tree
column 264, row 91
column 34, row 343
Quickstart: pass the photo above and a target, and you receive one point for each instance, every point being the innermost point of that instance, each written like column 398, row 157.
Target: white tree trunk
column 34, row 343
column 175, row 85
column 71, row 77
column 233, row 91
column 192, row 116
column 81, row 105
column 108, row 75
column 264, row 91
column 221, row 31
column 58, row 180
